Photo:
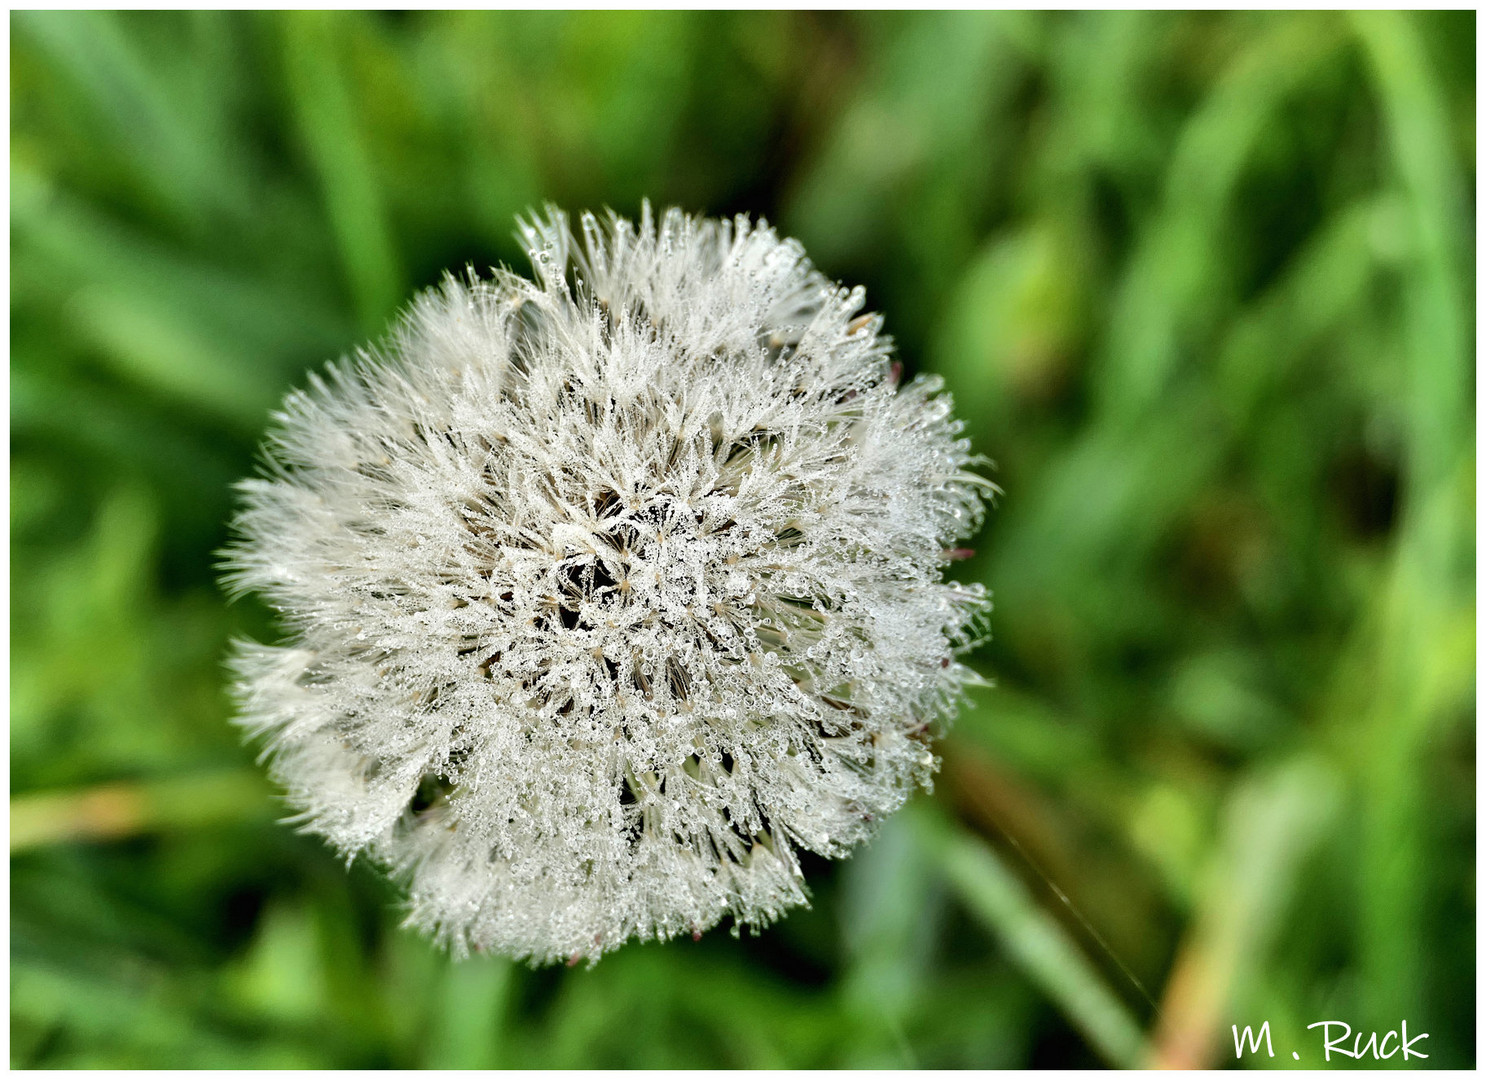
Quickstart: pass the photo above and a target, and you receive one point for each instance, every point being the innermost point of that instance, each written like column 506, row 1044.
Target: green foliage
column 1201, row 286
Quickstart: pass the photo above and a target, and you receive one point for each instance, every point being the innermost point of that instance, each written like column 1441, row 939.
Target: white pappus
column 605, row 594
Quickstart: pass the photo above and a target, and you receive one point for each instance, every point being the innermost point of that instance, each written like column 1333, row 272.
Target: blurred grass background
column 1201, row 285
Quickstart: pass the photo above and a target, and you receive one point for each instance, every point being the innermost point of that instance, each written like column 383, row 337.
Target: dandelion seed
column 608, row 593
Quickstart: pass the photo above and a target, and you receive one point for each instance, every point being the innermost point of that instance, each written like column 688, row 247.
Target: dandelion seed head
column 608, row 592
